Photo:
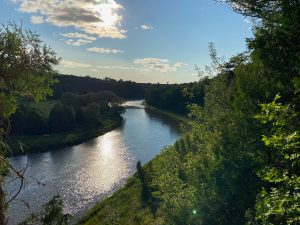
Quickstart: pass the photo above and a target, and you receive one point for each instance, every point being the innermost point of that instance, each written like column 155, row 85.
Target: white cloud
column 72, row 64
column 162, row 65
column 96, row 17
column 180, row 64
column 104, row 50
column 123, row 68
column 78, row 42
column 146, row 27
column 79, row 35
column 37, row 19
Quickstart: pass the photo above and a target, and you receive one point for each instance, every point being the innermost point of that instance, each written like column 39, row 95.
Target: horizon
column 137, row 41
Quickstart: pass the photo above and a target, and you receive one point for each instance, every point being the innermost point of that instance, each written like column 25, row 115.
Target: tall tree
column 278, row 201
column 26, row 70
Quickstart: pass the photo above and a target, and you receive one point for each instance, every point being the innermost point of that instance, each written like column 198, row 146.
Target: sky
column 140, row 40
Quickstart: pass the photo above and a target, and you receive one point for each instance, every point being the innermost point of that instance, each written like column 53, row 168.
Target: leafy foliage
column 26, row 71
column 61, row 118
column 71, row 112
column 176, row 97
column 25, row 67
column 51, row 214
column 83, row 85
column 227, row 163
column 279, row 199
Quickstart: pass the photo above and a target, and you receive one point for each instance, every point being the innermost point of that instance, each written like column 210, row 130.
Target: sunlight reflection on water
column 91, row 171
column 111, row 165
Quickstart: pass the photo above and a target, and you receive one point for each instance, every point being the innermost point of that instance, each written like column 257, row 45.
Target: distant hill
column 82, row 85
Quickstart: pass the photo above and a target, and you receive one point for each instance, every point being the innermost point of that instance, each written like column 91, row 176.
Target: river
column 86, row 173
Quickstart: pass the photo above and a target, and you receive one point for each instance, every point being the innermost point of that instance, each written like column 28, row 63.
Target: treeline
column 83, row 85
column 239, row 163
column 70, row 112
column 176, row 97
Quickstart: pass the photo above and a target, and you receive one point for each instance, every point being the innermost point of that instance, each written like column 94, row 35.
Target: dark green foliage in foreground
column 26, row 71
column 279, row 199
column 51, row 214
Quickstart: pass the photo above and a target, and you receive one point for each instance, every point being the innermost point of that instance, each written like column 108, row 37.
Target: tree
column 61, row 118
column 18, row 121
column 26, row 67
column 264, row 9
column 92, row 114
column 145, row 192
column 79, row 116
column 26, row 70
column 278, row 201
column 35, row 123
column 51, row 214
column 275, row 47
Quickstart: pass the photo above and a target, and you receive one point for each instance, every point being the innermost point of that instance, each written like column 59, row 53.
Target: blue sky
column 145, row 41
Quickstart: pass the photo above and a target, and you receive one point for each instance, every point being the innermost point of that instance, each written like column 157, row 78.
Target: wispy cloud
column 116, row 67
column 104, row 50
column 162, row 65
column 79, row 35
column 37, row 19
column 101, row 18
column 72, row 64
column 180, row 64
column 78, row 42
column 80, row 39
column 146, row 27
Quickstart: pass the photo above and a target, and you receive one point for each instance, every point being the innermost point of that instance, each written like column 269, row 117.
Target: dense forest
column 238, row 161
column 176, row 97
column 82, row 85
column 71, row 111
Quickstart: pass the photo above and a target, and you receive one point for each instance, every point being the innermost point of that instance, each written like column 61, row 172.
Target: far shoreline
column 52, row 142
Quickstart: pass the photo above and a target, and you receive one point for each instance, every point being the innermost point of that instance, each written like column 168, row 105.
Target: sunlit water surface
column 86, row 173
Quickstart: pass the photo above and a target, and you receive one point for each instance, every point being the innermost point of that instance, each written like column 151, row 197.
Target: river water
column 86, row 173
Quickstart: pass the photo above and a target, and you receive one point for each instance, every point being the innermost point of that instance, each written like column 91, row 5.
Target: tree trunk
column 2, row 206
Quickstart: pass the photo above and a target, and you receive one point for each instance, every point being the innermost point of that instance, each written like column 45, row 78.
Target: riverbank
column 24, row 144
column 175, row 116
column 124, row 206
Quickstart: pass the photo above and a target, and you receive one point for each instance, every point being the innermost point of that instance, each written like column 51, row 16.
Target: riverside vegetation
column 238, row 161
column 68, row 121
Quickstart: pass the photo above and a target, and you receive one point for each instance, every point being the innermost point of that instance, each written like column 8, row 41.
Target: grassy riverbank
column 123, row 207
column 175, row 116
column 40, row 143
